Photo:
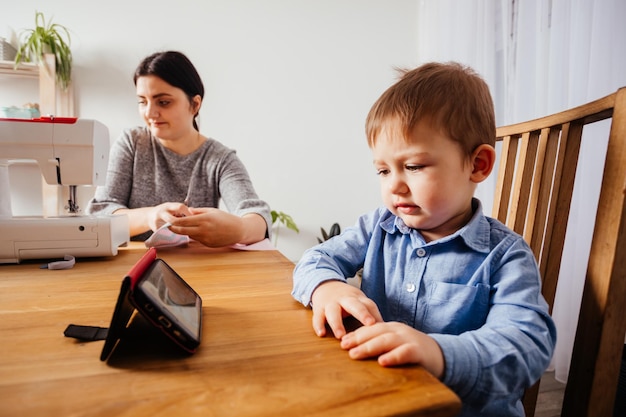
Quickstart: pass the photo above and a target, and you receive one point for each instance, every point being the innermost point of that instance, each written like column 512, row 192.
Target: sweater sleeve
column 115, row 194
column 237, row 191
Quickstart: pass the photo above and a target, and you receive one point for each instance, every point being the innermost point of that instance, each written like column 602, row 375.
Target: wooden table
column 258, row 357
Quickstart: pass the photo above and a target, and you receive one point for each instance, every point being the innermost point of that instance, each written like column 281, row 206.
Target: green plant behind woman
column 50, row 38
column 279, row 217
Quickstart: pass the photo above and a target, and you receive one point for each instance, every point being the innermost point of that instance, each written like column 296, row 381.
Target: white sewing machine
column 69, row 152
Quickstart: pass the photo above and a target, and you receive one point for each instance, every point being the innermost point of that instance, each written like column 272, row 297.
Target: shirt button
column 421, row 252
column 410, row 287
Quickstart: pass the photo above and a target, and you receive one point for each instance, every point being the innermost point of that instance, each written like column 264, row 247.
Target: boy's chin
column 411, row 221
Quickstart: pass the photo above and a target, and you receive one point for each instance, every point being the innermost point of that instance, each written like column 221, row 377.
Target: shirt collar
column 475, row 234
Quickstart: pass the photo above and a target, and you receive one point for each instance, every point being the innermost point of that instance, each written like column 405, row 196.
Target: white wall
column 288, row 85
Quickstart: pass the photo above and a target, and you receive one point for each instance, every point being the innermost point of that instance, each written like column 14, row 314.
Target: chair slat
column 562, row 198
column 536, row 184
column 505, row 178
column 523, row 182
column 542, row 232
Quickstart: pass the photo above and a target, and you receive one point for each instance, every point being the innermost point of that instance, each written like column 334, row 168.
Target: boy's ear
column 483, row 161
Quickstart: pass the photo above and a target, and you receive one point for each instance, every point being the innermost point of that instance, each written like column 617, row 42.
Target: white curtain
column 540, row 57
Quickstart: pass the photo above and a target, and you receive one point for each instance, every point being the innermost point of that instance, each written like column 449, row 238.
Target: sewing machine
column 69, row 152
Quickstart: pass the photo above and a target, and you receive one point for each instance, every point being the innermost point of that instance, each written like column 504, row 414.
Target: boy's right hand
column 332, row 301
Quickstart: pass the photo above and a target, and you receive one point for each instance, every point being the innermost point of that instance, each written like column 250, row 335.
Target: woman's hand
column 163, row 213
column 332, row 301
column 395, row 344
column 142, row 219
column 216, row 228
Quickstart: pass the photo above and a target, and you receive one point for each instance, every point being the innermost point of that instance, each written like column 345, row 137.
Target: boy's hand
column 395, row 344
column 334, row 300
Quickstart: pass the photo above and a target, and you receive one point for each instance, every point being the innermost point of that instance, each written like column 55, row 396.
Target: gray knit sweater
column 143, row 173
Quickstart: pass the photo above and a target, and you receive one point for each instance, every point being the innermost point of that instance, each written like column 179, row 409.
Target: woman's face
column 166, row 109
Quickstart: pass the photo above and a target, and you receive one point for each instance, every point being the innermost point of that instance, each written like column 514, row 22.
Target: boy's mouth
column 406, row 208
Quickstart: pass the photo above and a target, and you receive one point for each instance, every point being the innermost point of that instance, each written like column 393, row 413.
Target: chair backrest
column 533, row 195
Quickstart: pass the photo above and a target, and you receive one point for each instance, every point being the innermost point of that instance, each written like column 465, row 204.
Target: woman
column 168, row 172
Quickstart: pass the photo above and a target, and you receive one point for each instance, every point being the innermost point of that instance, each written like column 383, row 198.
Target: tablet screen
column 168, row 292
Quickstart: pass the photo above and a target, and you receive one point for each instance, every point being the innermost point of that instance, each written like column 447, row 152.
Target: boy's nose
column 397, row 185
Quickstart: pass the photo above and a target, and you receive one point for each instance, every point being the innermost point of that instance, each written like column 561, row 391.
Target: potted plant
column 50, row 38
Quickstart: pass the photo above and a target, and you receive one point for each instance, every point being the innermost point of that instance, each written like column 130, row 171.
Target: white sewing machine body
column 54, row 237
column 68, row 152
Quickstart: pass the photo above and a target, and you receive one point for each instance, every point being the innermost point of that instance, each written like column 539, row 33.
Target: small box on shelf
column 14, row 112
column 7, row 51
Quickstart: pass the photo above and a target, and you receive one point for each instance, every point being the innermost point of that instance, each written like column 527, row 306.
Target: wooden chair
column 533, row 195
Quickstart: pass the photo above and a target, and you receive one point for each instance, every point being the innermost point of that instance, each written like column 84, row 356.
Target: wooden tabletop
column 259, row 355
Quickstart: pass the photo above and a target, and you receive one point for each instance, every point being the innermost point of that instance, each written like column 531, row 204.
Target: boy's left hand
column 395, row 344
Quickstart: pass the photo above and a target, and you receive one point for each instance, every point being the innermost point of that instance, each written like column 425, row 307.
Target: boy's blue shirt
column 477, row 292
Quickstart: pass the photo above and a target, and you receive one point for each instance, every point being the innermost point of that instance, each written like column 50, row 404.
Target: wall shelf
column 52, row 101
column 23, row 70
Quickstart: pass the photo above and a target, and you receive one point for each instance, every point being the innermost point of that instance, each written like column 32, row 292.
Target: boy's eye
column 413, row 167
column 382, row 171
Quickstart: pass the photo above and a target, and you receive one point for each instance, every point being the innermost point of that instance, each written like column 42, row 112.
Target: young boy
column 443, row 286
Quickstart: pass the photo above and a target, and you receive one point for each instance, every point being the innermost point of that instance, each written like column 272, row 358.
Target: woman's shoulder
column 215, row 149
column 131, row 143
column 216, row 145
column 135, row 134
column 136, row 139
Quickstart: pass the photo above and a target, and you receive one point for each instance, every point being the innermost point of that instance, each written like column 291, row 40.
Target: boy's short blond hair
column 451, row 96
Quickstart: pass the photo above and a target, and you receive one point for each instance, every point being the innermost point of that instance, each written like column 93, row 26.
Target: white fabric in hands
column 164, row 237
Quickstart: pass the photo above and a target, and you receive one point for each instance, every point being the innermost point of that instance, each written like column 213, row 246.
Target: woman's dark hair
column 175, row 69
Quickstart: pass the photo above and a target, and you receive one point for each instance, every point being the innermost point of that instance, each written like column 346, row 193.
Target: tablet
column 153, row 289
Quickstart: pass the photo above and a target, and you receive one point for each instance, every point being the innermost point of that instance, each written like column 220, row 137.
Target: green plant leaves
column 284, row 219
column 51, row 38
